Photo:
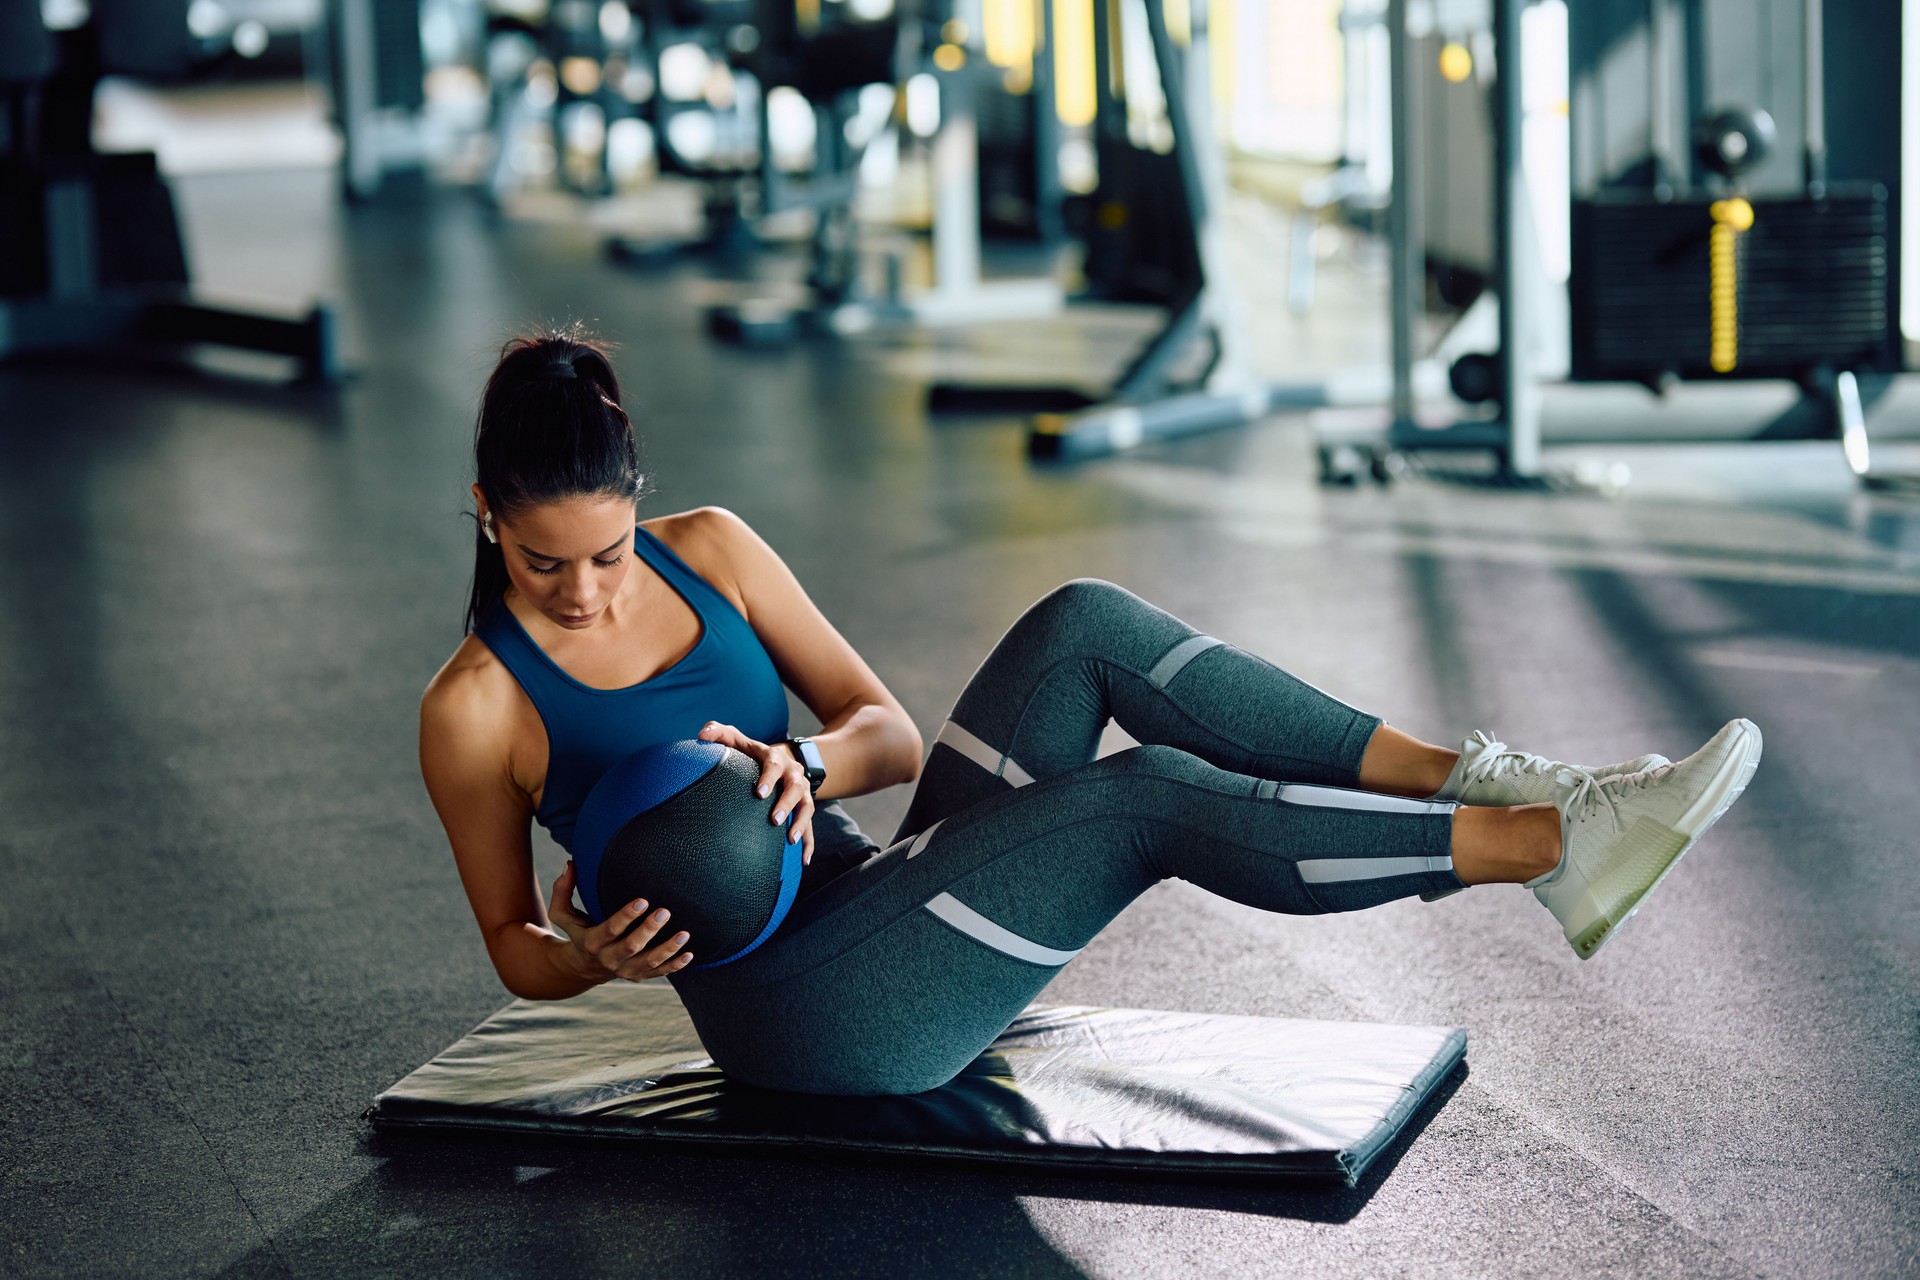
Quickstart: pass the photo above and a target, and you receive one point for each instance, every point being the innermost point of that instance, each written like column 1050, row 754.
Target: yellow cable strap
column 1731, row 217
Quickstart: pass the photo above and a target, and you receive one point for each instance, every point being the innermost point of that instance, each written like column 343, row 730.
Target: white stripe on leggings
column 1337, row 870
column 920, row 841
column 980, row 929
column 915, row 846
column 1177, row 658
column 1000, row 766
column 1357, row 801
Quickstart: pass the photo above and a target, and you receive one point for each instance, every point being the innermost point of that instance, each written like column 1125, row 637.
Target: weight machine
column 1153, row 236
column 90, row 250
column 945, row 45
column 1693, row 258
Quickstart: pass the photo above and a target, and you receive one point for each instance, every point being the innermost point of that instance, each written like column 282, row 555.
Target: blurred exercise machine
column 1796, row 265
column 939, row 47
column 995, row 165
column 827, row 59
column 740, row 174
column 700, row 81
column 1153, row 236
column 541, row 70
column 377, row 76
column 90, row 249
column 1715, row 237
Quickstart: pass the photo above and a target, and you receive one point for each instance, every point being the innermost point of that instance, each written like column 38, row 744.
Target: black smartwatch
column 809, row 757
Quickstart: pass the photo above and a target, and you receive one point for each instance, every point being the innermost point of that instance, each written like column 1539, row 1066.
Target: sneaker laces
column 1495, row 759
column 1591, row 794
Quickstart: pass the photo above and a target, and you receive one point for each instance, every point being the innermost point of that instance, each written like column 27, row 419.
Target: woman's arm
column 487, row 816
column 867, row 740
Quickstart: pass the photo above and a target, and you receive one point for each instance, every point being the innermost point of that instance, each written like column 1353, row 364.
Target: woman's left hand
column 781, row 777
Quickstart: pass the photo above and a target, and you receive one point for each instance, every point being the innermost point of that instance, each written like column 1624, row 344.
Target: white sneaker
column 1492, row 774
column 1620, row 836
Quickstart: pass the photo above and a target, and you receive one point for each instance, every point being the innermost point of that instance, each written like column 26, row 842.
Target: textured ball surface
column 679, row 825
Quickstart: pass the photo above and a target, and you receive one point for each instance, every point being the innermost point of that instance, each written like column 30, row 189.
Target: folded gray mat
column 1064, row 1087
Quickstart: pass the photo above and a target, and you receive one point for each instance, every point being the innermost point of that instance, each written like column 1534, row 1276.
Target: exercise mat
column 1063, row 1087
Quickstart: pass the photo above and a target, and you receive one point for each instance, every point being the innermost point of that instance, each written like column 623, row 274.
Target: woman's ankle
column 1505, row 846
column 1398, row 764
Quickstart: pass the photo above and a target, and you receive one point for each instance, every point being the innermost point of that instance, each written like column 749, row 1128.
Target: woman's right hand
column 602, row 952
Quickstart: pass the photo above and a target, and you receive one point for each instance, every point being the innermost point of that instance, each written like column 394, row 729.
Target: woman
column 591, row 636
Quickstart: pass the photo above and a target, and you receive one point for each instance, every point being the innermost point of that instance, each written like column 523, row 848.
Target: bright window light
column 207, row 19
column 683, row 72
column 923, row 105
column 791, row 128
column 616, row 22
column 693, row 135
column 629, row 148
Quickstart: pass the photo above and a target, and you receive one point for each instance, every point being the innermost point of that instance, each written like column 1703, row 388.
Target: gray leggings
column 1019, row 846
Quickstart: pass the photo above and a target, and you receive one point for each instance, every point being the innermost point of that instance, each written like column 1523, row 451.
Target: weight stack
column 1810, row 286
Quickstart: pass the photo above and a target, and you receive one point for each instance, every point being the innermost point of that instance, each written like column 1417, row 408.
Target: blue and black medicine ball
column 678, row 824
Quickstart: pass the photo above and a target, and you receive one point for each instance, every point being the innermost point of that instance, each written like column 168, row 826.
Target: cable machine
column 1694, row 257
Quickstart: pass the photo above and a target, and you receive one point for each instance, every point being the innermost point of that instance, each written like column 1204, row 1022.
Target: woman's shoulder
column 478, row 731
column 473, row 691
column 700, row 530
column 714, row 543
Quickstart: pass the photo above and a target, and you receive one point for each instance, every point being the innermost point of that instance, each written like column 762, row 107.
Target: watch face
column 810, row 759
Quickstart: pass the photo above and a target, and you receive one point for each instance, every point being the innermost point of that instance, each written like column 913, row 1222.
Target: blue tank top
column 727, row 676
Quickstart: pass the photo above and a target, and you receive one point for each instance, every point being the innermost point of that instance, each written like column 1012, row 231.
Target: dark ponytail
column 550, row 428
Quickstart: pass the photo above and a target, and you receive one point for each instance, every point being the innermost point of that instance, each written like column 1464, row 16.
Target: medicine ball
column 678, row 824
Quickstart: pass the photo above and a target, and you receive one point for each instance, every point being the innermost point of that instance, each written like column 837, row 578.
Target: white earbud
column 486, row 527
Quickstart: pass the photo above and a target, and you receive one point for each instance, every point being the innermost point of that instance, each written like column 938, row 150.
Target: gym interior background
column 1570, row 403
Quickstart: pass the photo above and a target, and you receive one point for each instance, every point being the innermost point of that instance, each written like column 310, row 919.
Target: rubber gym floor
column 230, row 916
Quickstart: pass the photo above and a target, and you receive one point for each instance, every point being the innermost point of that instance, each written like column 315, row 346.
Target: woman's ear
column 486, row 516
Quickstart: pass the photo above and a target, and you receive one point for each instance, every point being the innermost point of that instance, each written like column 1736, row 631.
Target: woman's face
column 568, row 559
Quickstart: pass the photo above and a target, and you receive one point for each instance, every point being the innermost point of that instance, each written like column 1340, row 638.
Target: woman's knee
column 1076, row 613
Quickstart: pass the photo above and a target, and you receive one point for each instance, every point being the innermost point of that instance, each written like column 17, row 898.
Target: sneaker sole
column 1659, row 841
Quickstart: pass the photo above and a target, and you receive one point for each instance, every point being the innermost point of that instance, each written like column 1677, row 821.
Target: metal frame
column 1143, row 405
column 960, row 295
column 1514, row 436
column 79, row 311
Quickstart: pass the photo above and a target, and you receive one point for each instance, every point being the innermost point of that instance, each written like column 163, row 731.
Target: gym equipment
column 1019, row 149
column 1064, row 1088
column 764, row 46
column 90, row 251
column 1735, row 139
column 1504, row 380
column 1731, row 287
column 1154, row 236
column 377, row 74
column 541, row 69
column 1739, row 282
column 679, row 824
column 1710, row 239
column 1019, row 191
column 738, row 167
column 967, row 169
column 1141, row 246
